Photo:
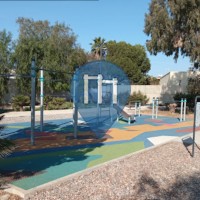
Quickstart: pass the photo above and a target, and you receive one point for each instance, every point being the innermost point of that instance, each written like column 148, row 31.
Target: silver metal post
column 196, row 121
column 41, row 99
column 33, row 76
column 139, row 108
column 184, row 112
column 153, row 101
column 156, row 108
column 181, row 114
column 135, row 108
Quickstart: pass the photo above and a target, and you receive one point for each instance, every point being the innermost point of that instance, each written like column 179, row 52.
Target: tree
column 97, row 47
column 132, row 59
column 174, row 27
column 19, row 101
column 152, row 80
column 54, row 48
column 5, row 59
column 193, row 85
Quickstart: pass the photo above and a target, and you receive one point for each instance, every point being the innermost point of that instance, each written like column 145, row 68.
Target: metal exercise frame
column 196, row 120
column 183, row 102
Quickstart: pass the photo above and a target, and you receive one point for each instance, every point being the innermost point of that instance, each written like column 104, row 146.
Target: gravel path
column 164, row 172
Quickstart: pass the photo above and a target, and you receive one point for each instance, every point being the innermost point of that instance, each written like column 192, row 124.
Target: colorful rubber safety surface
column 56, row 154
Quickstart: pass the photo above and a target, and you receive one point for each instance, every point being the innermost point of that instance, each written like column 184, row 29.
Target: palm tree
column 6, row 146
column 97, row 46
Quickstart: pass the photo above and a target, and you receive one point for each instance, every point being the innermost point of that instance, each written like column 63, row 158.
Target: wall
column 149, row 90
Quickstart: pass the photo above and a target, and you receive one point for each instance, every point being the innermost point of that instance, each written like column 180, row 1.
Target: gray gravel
column 164, row 172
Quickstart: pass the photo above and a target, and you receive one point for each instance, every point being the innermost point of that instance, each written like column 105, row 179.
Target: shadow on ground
column 186, row 188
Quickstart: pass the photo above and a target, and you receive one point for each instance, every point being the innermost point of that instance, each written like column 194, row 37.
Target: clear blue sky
column 120, row 20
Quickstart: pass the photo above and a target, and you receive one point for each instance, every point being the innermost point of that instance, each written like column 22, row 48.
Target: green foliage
column 138, row 96
column 54, row 48
column 132, row 59
column 19, row 101
column 173, row 27
column 193, row 85
column 190, row 99
column 193, row 90
column 5, row 60
column 152, row 80
column 97, row 46
column 47, row 100
column 55, row 103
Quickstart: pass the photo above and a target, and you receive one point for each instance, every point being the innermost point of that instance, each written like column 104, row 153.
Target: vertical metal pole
column 156, row 108
column 41, row 99
column 153, row 101
column 194, row 127
column 196, row 121
column 181, row 114
column 184, row 112
column 139, row 108
column 85, row 77
column 33, row 75
column 99, row 96
column 75, row 108
column 135, row 108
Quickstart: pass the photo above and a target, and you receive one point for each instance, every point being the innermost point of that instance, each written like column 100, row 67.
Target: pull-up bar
column 100, row 81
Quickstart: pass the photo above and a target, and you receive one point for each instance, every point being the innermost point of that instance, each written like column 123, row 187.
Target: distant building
column 175, row 82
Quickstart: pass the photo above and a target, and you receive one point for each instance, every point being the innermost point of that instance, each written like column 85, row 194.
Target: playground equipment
column 196, row 120
column 113, row 82
column 120, row 113
column 33, row 77
column 137, row 106
column 155, row 105
column 155, row 108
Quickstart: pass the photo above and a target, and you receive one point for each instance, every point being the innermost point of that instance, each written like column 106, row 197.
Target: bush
column 59, row 103
column 190, row 99
column 47, row 100
column 138, row 96
column 19, row 101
